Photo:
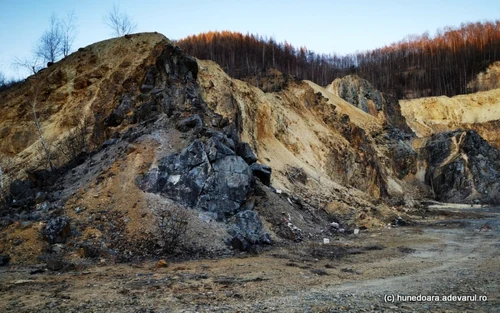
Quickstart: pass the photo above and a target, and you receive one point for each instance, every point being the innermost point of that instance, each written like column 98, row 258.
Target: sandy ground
column 449, row 252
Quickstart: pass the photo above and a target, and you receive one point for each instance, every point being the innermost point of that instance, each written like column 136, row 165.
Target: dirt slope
column 86, row 84
column 479, row 111
column 304, row 126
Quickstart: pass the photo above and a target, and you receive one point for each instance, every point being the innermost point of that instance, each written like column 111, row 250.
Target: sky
column 323, row 26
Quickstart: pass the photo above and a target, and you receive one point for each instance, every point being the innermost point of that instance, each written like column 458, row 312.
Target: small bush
column 172, row 225
column 296, row 175
column 77, row 141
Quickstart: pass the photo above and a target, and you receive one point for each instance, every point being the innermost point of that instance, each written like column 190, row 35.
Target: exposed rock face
column 404, row 156
column 358, row 92
column 219, row 184
column 393, row 117
column 211, row 178
column 463, row 167
column 487, row 80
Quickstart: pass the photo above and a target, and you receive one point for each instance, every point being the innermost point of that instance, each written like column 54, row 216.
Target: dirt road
column 454, row 252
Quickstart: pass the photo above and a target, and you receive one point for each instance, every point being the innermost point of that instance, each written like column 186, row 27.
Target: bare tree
column 45, row 146
column 4, row 181
column 55, row 42
column 121, row 23
column 33, row 65
column 68, row 30
column 49, row 47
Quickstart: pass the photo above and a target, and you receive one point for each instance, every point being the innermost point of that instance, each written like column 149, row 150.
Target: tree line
column 417, row 66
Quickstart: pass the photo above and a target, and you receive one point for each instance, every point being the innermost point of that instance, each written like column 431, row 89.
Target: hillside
column 160, row 139
column 175, row 186
column 162, row 132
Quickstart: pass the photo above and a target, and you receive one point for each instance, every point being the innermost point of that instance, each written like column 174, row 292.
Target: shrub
column 172, row 225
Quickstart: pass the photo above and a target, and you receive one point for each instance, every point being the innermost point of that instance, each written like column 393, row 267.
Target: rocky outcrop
column 486, row 80
column 360, row 93
column 462, row 167
column 214, row 173
column 210, row 177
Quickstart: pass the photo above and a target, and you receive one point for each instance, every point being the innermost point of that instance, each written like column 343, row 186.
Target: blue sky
column 341, row 26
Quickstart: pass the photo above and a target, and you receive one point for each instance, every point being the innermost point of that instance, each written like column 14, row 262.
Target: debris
column 162, row 264
column 319, row 272
column 326, row 241
column 335, row 225
column 356, row 231
column 4, row 259
column 399, row 221
column 485, row 227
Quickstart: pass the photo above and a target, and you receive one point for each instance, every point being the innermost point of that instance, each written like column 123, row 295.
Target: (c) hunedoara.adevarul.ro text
column 434, row 298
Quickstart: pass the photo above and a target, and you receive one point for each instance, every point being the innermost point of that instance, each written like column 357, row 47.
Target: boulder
column 4, row 259
column 247, row 231
column 192, row 122
column 227, row 188
column 57, row 230
column 262, row 172
column 209, row 177
column 245, row 151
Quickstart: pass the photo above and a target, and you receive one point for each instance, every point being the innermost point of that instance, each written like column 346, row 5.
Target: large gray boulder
column 227, row 188
column 206, row 176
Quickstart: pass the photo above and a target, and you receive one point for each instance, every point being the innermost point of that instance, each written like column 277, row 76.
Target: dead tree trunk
column 45, row 147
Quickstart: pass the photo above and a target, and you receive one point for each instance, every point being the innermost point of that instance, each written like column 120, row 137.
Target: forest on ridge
column 417, row 66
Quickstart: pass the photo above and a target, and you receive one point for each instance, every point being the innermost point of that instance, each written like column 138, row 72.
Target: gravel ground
column 453, row 256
